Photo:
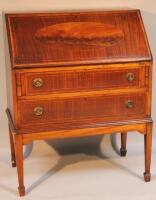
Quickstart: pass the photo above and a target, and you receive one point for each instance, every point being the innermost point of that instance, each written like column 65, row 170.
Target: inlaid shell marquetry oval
column 82, row 33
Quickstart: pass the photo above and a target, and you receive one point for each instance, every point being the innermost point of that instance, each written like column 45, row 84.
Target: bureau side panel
column 148, row 75
column 10, row 77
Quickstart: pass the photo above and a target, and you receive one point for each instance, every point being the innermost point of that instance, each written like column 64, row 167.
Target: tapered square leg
column 123, row 149
column 19, row 162
column 147, row 146
column 12, row 148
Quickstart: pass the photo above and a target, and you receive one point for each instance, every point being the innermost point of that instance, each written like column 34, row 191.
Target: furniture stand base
column 147, row 177
column 21, row 191
column 13, row 163
column 123, row 152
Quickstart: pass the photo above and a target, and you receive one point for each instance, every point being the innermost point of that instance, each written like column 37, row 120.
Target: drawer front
column 84, row 109
column 77, row 80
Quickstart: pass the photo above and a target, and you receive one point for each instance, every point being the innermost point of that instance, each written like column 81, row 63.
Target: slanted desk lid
column 56, row 39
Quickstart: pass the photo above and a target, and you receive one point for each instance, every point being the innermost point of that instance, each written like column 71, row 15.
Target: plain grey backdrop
column 73, row 146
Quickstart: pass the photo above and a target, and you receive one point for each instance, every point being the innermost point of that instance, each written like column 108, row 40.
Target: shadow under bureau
column 77, row 74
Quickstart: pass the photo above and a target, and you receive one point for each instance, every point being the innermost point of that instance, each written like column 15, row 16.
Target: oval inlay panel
column 85, row 33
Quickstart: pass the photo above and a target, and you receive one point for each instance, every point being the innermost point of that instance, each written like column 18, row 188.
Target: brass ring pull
column 37, row 82
column 130, row 76
column 38, row 111
column 129, row 104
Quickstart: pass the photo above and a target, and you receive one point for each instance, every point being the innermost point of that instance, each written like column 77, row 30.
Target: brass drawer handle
column 129, row 104
column 37, row 82
column 130, row 76
column 38, row 111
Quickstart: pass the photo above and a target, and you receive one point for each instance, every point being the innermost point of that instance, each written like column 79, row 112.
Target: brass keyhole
column 129, row 104
column 37, row 82
column 130, row 76
column 38, row 111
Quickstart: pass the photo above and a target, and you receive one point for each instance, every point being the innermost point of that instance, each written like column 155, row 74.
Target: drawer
column 77, row 80
column 84, row 109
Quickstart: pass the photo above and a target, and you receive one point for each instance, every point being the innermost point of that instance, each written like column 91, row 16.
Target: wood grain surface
column 82, row 33
column 77, row 38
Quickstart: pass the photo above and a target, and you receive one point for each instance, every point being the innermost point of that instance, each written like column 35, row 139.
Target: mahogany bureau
column 77, row 74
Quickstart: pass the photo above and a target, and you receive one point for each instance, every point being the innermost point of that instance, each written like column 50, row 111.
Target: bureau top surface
column 56, row 39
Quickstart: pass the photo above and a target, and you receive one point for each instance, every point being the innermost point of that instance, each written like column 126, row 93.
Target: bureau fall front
column 77, row 74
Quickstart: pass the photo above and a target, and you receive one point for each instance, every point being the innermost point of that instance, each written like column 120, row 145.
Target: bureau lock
column 130, row 76
column 37, row 82
column 38, row 111
column 129, row 104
